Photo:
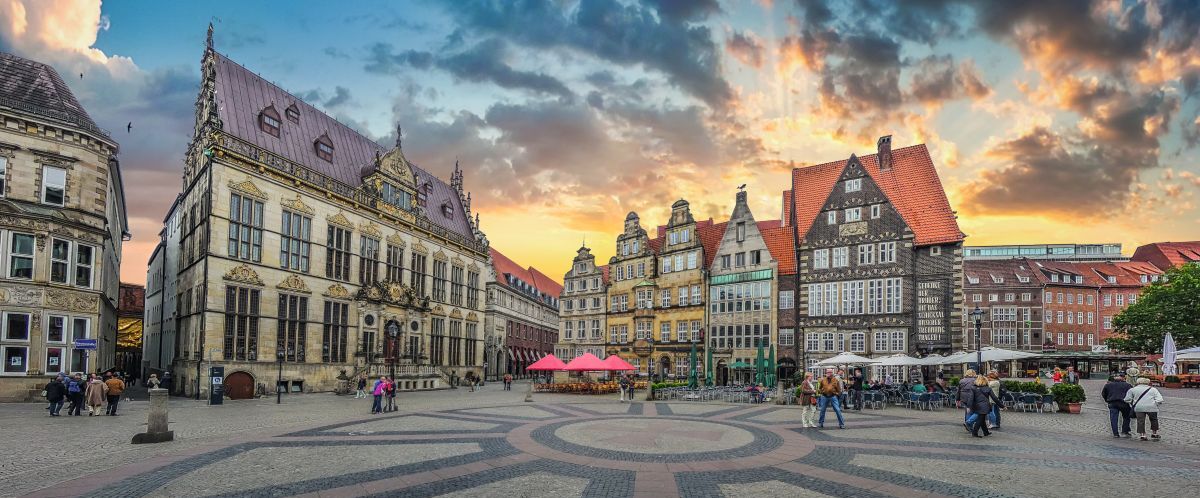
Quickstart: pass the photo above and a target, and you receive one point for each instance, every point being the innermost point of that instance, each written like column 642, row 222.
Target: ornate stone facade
column 581, row 313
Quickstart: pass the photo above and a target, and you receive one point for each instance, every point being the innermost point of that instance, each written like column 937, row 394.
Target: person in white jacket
column 1145, row 400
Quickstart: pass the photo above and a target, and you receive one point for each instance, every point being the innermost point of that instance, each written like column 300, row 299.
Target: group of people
column 824, row 393
column 1126, row 401
column 980, row 395
column 383, row 389
column 100, row 397
column 626, row 384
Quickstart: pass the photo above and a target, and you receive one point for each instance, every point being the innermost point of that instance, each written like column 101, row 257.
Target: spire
column 208, row 41
column 467, row 207
column 456, row 179
column 399, row 135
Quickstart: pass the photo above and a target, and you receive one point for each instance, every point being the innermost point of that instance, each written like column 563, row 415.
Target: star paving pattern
column 601, row 448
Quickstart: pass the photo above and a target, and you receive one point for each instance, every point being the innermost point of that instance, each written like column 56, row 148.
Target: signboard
column 85, row 344
column 931, row 312
column 216, row 385
column 1100, row 348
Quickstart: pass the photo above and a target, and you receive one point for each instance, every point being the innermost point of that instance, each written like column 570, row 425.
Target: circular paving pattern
column 657, row 439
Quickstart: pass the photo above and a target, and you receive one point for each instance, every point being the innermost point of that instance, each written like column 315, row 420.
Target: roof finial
column 399, row 135
column 208, row 40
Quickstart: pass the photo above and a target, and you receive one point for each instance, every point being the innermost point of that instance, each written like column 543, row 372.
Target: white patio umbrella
column 952, row 358
column 1001, row 354
column 847, row 359
column 1189, row 350
column 898, row 360
column 933, row 359
column 1188, row 356
column 1168, row 355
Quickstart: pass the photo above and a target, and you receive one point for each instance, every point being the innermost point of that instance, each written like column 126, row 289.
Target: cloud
column 937, row 78
column 746, row 48
column 485, row 62
column 685, row 10
column 609, row 30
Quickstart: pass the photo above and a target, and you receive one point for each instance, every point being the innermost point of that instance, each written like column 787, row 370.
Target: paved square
column 491, row 443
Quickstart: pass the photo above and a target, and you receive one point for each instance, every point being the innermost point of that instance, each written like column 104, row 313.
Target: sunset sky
column 1064, row 121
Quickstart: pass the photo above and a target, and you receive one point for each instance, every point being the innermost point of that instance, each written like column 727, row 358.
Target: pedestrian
column 993, row 381
column 964, row 386
column 75, row 390
column 1132, row 372
column 623, row 386
column 153, row 381
column 632, row 387
column 390, row 391
column 979, row 400
column 95, row 395
column 830, row 389
column 507, row 382
column 56, row 391
column 808, row 399
column 378, row 390
column 1072, row 377
column 1145, row 400
column 115, row 387
column 1114, row 394
column 856, row 389
column 362, row 387
column 1057, row 376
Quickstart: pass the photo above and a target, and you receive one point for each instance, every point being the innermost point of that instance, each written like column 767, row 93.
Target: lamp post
column 978, row 314
column 279, row 378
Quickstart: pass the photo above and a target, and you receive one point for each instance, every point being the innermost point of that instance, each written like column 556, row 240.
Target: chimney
column 884, row 147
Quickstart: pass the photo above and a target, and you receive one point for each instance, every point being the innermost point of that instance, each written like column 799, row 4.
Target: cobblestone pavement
column 490, row 443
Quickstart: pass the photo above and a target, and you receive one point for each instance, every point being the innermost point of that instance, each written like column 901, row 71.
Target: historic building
column 62, row 223
column 1081, row 299
column 743, row 289
column 522, row 319
column 631, row 292
column 780, row 241
column 1166, row 255
column 581, row 311
column 131, row 312
column 1008, row 294
column 880, row 255
column 307, row 246
column 678, row 299
column 162, row 275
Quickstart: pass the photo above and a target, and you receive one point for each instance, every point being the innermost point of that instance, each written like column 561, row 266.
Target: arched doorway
column 664, row 367
column 239, row 385
column 722, row 373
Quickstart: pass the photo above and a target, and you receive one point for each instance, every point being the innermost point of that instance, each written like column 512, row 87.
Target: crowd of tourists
column 100, row 396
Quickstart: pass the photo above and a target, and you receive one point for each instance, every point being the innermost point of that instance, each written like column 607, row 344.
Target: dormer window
column 1078, row 279
column 1112, row 279
column 293, row 114
column 998, row 280
column 268, row 121
column 324, row 148
column 447, row 210
column 973, row 280
column 1023, row 279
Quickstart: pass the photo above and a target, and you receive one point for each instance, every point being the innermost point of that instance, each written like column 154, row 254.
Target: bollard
column 529, row 394
column 156, row 420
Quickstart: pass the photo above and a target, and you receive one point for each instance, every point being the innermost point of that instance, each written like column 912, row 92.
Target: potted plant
column 1172, row 381
column 1070, row 396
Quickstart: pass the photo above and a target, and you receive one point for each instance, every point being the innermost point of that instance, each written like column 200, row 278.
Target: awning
column 511, row 354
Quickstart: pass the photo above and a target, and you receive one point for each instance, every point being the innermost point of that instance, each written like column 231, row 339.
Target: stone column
column 156, row 420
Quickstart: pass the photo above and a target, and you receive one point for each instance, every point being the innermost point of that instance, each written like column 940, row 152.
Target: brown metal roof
column 37, row 89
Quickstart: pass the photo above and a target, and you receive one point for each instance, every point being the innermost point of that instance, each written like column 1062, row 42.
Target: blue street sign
column 85, row 344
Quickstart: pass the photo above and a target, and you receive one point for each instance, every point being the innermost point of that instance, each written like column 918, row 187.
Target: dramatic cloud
column 937, row 79
column 483, row 63
column 746, row 48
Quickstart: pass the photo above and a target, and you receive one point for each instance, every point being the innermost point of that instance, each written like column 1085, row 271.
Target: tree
column 1170, row 305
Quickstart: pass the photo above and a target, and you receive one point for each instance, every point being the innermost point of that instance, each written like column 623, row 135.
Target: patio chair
column 923, row 400
column 1047, row 404
column 1030, row 402
column 935, row 400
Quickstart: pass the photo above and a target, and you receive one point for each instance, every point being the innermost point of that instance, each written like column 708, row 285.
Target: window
column 725, row 258
column 293, row 114
column 1078, row 318
column 1120, row 299
column 324, row 148
column 245, row 227
column 695, row 330
column 439, row 281
column 1070, row 339
column 741, row 231
column 739, row 259
column 641, row 270
column 643, row 329
column 1059, row 317
column 645, row 299
column 977, row 298
column 395, row 263
column 854, row 185
column 935, row 251
column 416, row 276
column 1107, row 322
column 295, row 237
column 695, row 295
column 241, row 323
column 567, row 327
column 666, row 264
column 3, row 174
column 1070, row 298
column 268, row 121
column 756, row 257
column 827, row 342
column 841, row 257
column 820, row 259
column 666, row 297
column 1060, row 298
column 333, row 344
column 866, row 254
column 1091, row 300
column 787, row 337
column 1026, row 296
column 54, row 185
column 1132, row 299
column 16, row 327
column 875, row 210
column 887, row 252
column 881, row 341
column 831, row 218
column 292, row 327
column 83, row 265
column 1108, row 299
column 20, row 259
column 858, row 342
column 368, row 260
column 787, row 300
column 60, row 261
column 1009, row 297
column 16, row 359
column 898, row 341
column 595, row 329
column 80, row 329
column 683, row 295
column 664, row 332
column 1091, row 318
column 1091, row 339
column 853, row 214
column 812, row 342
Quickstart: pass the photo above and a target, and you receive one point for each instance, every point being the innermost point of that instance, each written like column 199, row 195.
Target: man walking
column 1072, row 376
column 830, row 389
column 856, row 384
column 75, row 390
column 1114, row 393
column 362, row 387
column 507, row 382
column 115, row 387
column 624, row 387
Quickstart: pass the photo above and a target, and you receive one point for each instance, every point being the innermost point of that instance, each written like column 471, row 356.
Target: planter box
column 1074, row 408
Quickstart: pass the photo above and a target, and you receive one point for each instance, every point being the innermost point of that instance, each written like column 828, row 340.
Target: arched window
column 324, row 147
column 268, row 121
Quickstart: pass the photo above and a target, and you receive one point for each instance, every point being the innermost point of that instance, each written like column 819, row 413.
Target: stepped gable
column 243, row 95
column 911, row 185
column 37, row 89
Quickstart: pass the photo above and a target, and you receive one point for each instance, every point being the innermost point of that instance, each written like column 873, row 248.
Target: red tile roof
column 912, row 185
column 1095, row 274
column 532, row 276
column 710, row 238
column 780, row 242
column 545, row 284
column 1168, row 254
column 785, row 215
column 604, row 272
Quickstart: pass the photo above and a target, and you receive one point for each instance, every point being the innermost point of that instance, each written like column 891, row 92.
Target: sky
column 1049, row 122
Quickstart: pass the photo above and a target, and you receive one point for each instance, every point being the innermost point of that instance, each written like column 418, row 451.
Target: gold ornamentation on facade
column 371, row 229
column 337, row 291
column 243, row 274
column 439, row 255
column 456, row 313
column 851, row 229
column 395, row 240
column 419, row 247
column 341, row 220
column 249, row 188
column 438, row 310
column 472, row 317
column 293, row 283
column 297, row 205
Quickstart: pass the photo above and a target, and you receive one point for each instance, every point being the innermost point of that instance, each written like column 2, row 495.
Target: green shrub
column 1033, row 387
column 663, row 385
column 1068, row 393
column 1171, row 378
column 1011, row 386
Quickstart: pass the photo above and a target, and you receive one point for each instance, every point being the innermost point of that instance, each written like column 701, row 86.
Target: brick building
column 1008, row 295
column 1166, row 255
column 522, row 310
column 880, row 255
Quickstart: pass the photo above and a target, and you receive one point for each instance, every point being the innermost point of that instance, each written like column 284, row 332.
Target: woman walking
column 998, row 390
column 95, row 395
column 981, row 399
column 56, row 391
column 1145, row 400
column 362, row 387
column 808, row 399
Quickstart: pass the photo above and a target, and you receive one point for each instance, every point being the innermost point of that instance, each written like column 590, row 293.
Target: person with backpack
column 75, row 389
column 1114, row 394
column 56, row 391
column 1144, row 401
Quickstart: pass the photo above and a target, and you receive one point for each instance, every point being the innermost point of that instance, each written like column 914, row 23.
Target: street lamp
column 978, row 314
column 279, row 378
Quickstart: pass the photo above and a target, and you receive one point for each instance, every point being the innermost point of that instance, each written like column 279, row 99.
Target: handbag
column 43, row 393
column 1139, row 400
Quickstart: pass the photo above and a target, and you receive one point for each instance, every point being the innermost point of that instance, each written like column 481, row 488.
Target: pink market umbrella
column 587, row 363
column 548, row 363
column 616, row 364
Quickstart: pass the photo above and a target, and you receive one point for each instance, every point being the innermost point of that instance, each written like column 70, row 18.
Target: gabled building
column 1008, row 294
column 631, row 293
column 61, row 233
column 522, row 316
column 679, row 298
column 581, row 311
column 881, row 255
column 780, row 241
column 1166, row 255
column 309, row 248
